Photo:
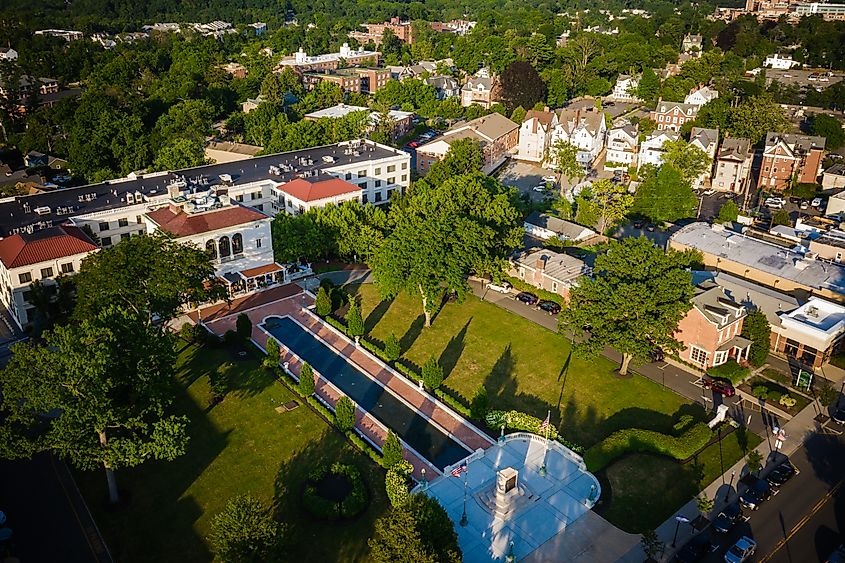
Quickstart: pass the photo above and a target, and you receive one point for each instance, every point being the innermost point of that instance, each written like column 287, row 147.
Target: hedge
column 365, row 447
column 521, row 421
column 541, row 293
column 352, row 505
column 638, row 440
column 454, row 402
column 731, row 371
column 336, row 323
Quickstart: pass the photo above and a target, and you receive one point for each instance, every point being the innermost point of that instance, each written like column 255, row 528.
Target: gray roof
column 734, row 148
column 763, row 256
column 442, row 82
column 562, row 227
column 471, row 84
column 712, row 301
column 798, row 143
column 704, row 135
column 749, row 294
column 836, row 170
column 16, row 213
column 558, row 266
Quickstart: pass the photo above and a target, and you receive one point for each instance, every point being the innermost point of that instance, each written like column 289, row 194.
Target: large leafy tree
column 612, row 201
column 521, row 86
column 441, row 233
column 665, row 195
column 756, row 328
column 416, row 531
column 830, row 128
column 179, row 154
column 634, row 302
column 686, row 158
column 245, row 531
column 564, row 157
column 94, row 392
column 151, row 275
column 756, row 116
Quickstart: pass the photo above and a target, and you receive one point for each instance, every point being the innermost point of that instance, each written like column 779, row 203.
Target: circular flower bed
column 335, row 492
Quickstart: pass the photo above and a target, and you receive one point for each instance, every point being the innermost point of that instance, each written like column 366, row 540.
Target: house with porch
column 622, row 146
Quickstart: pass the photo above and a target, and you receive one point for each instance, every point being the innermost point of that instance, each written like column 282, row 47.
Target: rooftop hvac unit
column 813, row 312
column 42, row 210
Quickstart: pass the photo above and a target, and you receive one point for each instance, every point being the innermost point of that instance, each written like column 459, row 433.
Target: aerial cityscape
column 422, row 282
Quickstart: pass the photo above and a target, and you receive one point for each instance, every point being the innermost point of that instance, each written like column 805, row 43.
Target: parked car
column 838, row 555
column 638, row 224
column 756, row 493
column 503, row 287
column 741, row 551
column 727, row 518
column 781, row 474
column 539, row 188
column 656, row 355
column 838, row 415
column 805, row 205
column 527, row 297
column 413, row 144
column 817, row 202
column 718, row 385
column 550, row 307
column 774, row 203
column 695, row 549
column 709, row 192
column 650, row 227
column 551, row 179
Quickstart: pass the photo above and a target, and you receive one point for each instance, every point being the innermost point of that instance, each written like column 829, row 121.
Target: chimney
column 541, row 263
column 545, row 109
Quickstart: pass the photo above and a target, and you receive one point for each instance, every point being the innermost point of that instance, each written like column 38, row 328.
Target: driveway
column 524, row 176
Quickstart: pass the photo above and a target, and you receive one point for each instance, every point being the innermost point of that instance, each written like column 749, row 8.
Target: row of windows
column 66, row 268
column 123, row 222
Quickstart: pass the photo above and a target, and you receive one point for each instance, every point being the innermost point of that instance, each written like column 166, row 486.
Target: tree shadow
column 412, row 333
column 502, row 392
column 453, row 350
column 377, row 314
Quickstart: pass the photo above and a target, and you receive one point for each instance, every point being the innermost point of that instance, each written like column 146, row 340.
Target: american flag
column 456, row 472
column 545, row 422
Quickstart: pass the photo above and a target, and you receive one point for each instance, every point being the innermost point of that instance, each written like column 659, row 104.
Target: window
column 349, row 175
column 378, row 172
column 391, row 168
column 404, row 166
column 141, row 232
column 260, row 207
column 237, row 244
column 211, row 248
column 67, row 268
column 123, row 222
column 698, row 355
column 377, row 183
column 27, row 296
column 258, row 243
column 124, row 236
column 378, row 197
column 791, row 348
column 139, row 219
column 105, row 241
column 224, row 249
column 391, row 180
column 522, row 273
column 720, row 358
column 404, row 177
column 254, row 195
column 25, row 277
column 554, row 287
column 362, row 173
column 363, row 197
column 239, row 198
column 46, row 273
column 104, row 226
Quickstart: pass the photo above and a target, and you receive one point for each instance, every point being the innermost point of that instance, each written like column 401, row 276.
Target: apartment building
column 788, row 159
column 497, row 135
column 670, row 116
column 478, row 90
column 622, row 146
column 329, row 61
column 706, row 140
column 700, row 95
column 584, row 128
column 732, row 167
column 375, row 32
column 401, row 120
column 651, row 149
column 555, row 272
column 535, row 135
column 358, row 80
column 625, row 89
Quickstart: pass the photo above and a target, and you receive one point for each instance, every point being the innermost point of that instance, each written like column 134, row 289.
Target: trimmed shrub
column 432, row 373
column 774, row 396
column 336, row 323
column 352, row 505
column 323, row 303
column 373, row 348
column 516, row 420
column 365, row 447
column 453, row 402
column 788, row 401
column 243, row 326
column 392, row 348
column 344, row 412
column 320, row 408
column 272, row 359
column 354, row 320
column 392, row 450
column 638, row 440
column 480, row 404
column 760, row 391
column 731, row 371
column 306, row 380
column 396, row 483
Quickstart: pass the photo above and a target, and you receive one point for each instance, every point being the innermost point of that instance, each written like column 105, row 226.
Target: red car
column 413, row 144
column 721, row 386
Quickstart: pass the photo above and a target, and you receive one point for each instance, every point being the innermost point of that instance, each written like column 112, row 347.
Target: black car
column 656, row 355
column 755, row 494
column 781, row 474
column 726, row 519
column 527, row 298
column 695, row 549
column 638, row 224
column 550, row 307
column 838, row 415
column 650, row 227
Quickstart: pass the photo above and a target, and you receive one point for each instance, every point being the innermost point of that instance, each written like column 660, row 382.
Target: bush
column 480, row 403
column 392, row 348
column 231, row 338
column 365, row 447
column 352, row 505
column 773, row 396
column 756, row 328
column 392, row 450
column 320, row 408
column 396, row 483
column 344, row 412
column 826, row 393
column 243, row 326
column 218, row 384
column 273, row 352
column 760, row 391
column 516, row 420
column 354, row 320
column 373, row 348
column 245, row 531
column 432, row 373
column 336, row 323
column 788, row 401
column 729, row 370
column 306, row 380
column 638, row 440
column 453, row 402
column 323, row 303
column 191, row 332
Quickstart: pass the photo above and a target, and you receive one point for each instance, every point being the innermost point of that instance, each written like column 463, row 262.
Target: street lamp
column 730, row 484
column 721, row 461
column 678, row 520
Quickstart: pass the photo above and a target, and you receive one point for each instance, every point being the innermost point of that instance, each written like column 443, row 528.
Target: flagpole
column 464, row 515
column 546, row 443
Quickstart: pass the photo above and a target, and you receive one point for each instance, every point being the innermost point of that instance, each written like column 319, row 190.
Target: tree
column 652, row 546
column 396, row 483
column 756, row 116
column 218, row 384
column 105, row 382
column 756, row 328
column 754, row 460
column 306, row 380
column 245, row 531
column 273, row 354
column 564, row 156
column 344, row 412
column 729, row 212
column 179, row 154
column 781, row 217
column 612, row 201
column 418, row 531
column 480, row 403
column 521, row 86
column 354, row 320
column 243, row 326
column 828, row 127
column 444, row 231
column 464, row 157
column 704, row 503
column 323, row 303
column 432, row 373
column 649, row 85
column 392, row 348
column 664, row 195
column 686, row 158
column 392, row 450
column 150, row 275
column 518, row 114
column 634, row 303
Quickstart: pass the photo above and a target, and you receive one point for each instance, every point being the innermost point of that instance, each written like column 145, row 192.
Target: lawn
column 241, row 445
column 523, row 367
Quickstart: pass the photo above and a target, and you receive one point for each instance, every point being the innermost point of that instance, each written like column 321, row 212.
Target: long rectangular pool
column 428, row 440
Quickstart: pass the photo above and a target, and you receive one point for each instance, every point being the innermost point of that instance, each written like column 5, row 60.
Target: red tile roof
column 175, row 221
column 44, row 245
column 303, row 190
column 261, row 270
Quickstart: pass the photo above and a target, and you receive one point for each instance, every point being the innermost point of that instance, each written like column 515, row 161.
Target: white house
column 625, row 89
column 780, row 62
column 8, row 54
column 535, row 135
column 622, row 145
column 585, row 129
column 733, row 165
column 478, row 90
column 708, row 141
column 301, row 195
column 701, row 95
column 542, row 226
column 651, row 150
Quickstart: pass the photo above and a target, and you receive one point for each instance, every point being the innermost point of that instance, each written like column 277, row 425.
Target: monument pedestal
column 506, row 496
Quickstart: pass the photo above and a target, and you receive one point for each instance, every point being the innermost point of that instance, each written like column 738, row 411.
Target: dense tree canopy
column 416, row 531
column 664, row 195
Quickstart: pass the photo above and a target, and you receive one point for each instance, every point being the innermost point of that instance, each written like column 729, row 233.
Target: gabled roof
column 712, row 302
column 176, row 221
column 44, row 245
column 704, row 136
column 556, row 265
column 734, row 148
column 305, row 190
column 800, row 144
column 573, row 119
column 666, row 107
column 565, row 229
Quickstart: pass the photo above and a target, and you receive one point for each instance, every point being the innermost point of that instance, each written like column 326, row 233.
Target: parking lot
column 524, row 176
column 801, row 78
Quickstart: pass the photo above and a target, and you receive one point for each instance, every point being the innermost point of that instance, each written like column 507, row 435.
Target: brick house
column 789, row 157
column 670, row 116
column 545, row 269
column 711, row 330
column 496, row 134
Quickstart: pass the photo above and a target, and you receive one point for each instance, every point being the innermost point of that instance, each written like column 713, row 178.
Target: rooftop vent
column 42, row 210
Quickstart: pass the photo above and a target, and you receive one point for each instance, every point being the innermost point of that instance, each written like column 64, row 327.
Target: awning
column 231, row 278
column 261, row 270
column 735, row 342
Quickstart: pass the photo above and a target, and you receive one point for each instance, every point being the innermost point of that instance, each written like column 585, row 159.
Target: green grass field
column 242, row 445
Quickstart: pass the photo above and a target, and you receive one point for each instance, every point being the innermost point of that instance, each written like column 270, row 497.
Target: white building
column 625, row 89
column 585, row 129
column 707, row 140
column 478, row 90
column 733, row 165
column 543, row 227
column 780, row 62
column 8, row 54
column 65, row 34
column 535, row 135
column 301, row 195
column 622, row 145
column 701, row 95
column 651, row 150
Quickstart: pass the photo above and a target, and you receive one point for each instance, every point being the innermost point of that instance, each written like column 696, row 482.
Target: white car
column 817, row 202
column 804, row 205
column 711, row 191
column 540, row 188
column 503, row 287
column 774, row 203
column 549, row 179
